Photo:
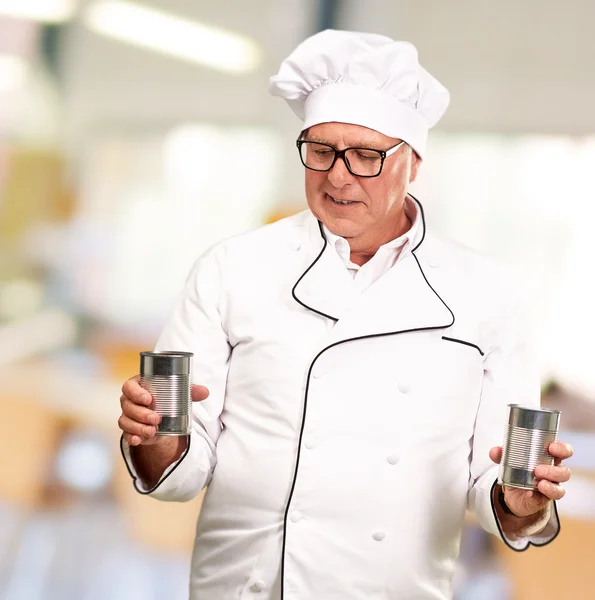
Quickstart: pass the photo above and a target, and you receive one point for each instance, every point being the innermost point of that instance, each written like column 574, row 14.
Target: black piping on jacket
column 457, row 341
column 303, row 423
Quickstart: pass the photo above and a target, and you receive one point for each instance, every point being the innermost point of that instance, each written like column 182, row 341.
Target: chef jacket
column 347, row 428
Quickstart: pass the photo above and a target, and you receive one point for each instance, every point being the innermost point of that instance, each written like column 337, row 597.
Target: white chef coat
column 346, row 431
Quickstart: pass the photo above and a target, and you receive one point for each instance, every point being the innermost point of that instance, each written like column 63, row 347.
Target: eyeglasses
column 361, row 162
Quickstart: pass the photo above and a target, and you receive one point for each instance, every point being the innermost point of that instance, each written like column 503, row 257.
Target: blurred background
column 133, row 135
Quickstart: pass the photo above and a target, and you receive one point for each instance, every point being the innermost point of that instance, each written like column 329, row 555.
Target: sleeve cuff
column 178, row 482
column 543, row 535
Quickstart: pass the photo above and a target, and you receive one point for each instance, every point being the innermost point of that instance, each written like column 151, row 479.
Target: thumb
column 199, row 392
column 496, row 454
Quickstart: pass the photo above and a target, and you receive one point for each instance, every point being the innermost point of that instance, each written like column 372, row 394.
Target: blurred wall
column 92, row 168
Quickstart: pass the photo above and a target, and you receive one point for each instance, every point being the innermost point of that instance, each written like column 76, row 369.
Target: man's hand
column 525, row 503
column 138, row 421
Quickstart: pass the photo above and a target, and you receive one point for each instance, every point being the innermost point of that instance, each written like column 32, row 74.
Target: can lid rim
column 167, row 353
column 537, row 409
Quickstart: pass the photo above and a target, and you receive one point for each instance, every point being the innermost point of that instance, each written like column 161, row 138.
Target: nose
column 339, row 175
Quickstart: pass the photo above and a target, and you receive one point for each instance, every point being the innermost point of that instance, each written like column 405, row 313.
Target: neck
column 362, row 251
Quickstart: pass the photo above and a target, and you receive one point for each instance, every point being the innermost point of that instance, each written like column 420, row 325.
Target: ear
column 415, row 165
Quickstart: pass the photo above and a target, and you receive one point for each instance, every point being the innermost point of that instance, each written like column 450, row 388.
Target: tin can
column 527, row 436
column 167, row 376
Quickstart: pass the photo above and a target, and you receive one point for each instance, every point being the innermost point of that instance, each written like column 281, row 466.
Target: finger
column 551, row 490
column 133, row 440
column 199, row 392
column 560, row 450
column 496, row 454
column 132, row 389
column 140, row 413
column 128, row 425
column 555, row 474
column 130, row 384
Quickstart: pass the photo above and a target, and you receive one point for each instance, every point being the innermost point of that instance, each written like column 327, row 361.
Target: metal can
column 527, row 436
column 167, row 376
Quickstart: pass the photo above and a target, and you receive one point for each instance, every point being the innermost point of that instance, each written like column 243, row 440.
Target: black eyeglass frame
column 384, row 154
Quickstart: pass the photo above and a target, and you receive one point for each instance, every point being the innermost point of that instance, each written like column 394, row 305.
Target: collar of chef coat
column 386, row 256
column 402, row 300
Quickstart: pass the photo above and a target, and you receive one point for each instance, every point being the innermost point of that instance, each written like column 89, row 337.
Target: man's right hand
column 139, row 421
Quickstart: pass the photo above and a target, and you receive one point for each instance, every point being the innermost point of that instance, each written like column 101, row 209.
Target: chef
column 352, row 370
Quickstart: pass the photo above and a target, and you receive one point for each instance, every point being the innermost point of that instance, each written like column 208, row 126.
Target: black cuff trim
column 135, row 479
column 530, row 543
column 449, row 339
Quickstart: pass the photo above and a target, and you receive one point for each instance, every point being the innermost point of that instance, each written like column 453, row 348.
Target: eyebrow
column 327, row 143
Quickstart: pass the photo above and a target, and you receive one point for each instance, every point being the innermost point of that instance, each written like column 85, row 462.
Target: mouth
column 339, row 202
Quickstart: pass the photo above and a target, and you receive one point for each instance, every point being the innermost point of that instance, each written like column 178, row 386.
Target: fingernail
column 149, row 431
column 155, row 419
column 146, row 398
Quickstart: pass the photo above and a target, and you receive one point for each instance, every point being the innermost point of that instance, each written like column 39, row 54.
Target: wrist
column 502, row 502
column 515, row 526
column 150, row 461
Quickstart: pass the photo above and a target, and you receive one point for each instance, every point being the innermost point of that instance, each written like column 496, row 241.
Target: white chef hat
column 363, row 79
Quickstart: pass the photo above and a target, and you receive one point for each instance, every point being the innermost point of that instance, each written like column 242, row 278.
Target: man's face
column 376, row 214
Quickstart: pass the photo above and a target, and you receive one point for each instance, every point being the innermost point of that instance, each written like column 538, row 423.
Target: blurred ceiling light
column 13, row 70
column 47, row 11
column 174, row 36
column 84, row 462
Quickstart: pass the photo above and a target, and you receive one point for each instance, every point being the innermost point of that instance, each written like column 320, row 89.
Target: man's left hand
column 524, row 503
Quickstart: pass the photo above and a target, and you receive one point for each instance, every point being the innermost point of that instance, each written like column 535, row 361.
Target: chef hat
column 363, row 79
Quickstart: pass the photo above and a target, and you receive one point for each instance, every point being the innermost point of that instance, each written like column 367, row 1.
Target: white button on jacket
column 404, row 387
column 255, row 336
column 258, row 586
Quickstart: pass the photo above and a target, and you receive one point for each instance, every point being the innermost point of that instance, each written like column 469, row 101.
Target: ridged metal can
column 167, row 376
column 527, row 436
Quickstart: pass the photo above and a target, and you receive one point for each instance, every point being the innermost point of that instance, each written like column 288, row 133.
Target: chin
column 342, row 227
column 346, row 225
